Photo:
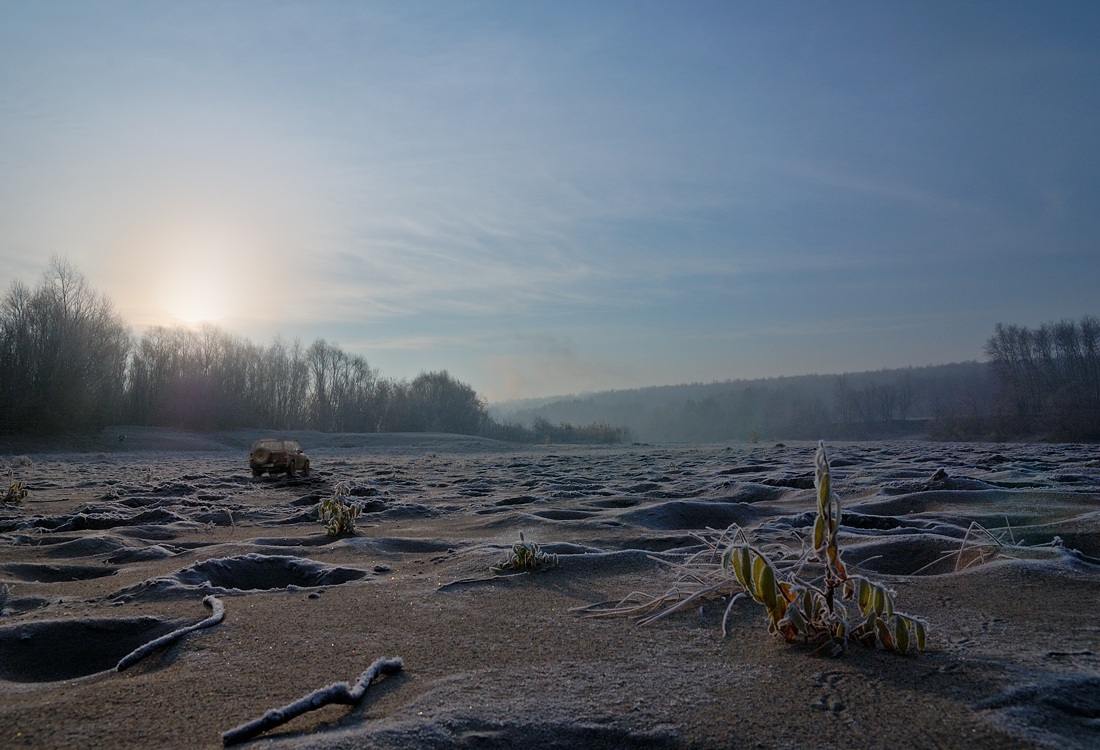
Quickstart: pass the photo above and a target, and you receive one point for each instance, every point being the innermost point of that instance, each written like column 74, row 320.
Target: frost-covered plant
column 526, row 557
column 16, row 492
column 817, row 611
column 811, row 611
column 338, row 513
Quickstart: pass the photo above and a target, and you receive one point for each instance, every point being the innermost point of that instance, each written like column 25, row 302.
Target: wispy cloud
column 564, row 196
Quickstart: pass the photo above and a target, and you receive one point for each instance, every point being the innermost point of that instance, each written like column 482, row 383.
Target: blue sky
column 564, row 197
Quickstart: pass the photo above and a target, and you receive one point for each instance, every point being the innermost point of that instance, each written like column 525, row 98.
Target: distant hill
column 850, row 405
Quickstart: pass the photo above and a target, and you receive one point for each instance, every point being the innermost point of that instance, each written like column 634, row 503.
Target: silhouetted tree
column 443, row 404
column 64, row 353
column 1050, row 376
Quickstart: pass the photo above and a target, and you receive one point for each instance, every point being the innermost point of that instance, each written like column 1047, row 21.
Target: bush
column 338, row 512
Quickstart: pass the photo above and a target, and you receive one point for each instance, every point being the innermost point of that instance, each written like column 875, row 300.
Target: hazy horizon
column 563, row 199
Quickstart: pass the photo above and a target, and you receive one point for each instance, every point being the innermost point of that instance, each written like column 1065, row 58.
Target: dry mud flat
column 113, row 548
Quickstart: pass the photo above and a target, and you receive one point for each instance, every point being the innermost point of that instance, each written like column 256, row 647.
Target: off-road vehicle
column 277, row 456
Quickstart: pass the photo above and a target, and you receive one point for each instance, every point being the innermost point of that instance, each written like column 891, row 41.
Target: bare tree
column 64, row 353
column 1050, row 376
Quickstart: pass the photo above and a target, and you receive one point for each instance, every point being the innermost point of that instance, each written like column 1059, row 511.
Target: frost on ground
column 996, row 546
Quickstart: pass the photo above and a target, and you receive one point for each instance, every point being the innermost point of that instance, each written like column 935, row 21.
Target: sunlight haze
column 565, row 197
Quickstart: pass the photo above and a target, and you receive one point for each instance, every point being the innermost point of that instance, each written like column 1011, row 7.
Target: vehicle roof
column 277, row 443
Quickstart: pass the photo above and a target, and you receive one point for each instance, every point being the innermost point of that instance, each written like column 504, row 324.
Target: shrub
column 526, row 557
column 338, row 512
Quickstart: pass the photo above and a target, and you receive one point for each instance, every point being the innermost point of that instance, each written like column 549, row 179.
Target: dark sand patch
column 244, row 573
column 50, row 650
column 45, row 573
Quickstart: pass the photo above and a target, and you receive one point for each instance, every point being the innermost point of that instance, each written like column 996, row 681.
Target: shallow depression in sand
column 255, row 572
column 50, row 650
column 40, row 573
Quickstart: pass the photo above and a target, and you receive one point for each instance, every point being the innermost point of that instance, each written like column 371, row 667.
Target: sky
column 563, row 197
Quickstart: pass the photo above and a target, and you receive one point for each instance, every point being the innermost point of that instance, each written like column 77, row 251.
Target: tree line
column 938, row 400
column 69, row 363
column 1041, row 383
column 1049, row 378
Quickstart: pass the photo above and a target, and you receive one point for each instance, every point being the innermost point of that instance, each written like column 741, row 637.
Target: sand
column 119, row 544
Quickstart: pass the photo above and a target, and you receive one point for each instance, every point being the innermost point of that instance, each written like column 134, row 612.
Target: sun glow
column 164, row 272
column 196, row 300
column 200, row 280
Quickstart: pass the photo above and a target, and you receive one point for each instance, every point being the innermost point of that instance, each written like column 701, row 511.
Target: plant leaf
column 901, row 635
column 831, row 647
column 884, row 636
column 744, row 569
column 765, row 584
column 795, row 618
column 878, row 599
column 918, row 630
column 864, row 597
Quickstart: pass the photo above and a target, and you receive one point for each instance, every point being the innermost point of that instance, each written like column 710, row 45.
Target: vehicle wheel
column 257, row 473
column 261, row 455
column 305, row 469
column 290, row 470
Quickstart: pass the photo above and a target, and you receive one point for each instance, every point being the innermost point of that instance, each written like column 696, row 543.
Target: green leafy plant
column 816, row 612
column 829, row 611
column 338, row 513
column 526, row 557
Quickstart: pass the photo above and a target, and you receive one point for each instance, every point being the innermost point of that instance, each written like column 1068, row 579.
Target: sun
column 199, row 281
column 195, row 299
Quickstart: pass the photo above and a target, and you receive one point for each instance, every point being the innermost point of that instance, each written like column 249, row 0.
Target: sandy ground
column 120, row 542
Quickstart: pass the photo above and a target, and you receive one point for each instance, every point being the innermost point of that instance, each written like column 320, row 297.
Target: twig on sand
column 141, row 652
column 472, row 581
column 339, row 692
column 484, row 579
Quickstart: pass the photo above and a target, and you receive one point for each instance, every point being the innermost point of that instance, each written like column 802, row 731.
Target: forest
column 70, row 364
column 946, row 401
column 1049, row 378
column 1038, row 384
